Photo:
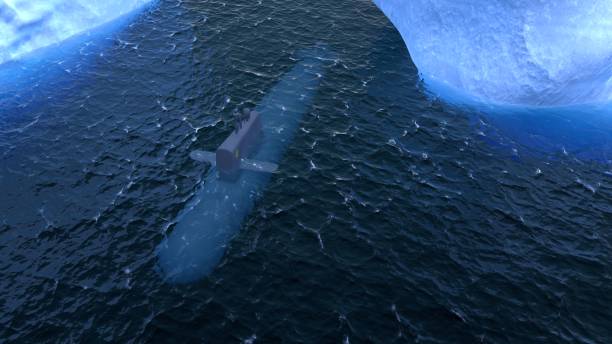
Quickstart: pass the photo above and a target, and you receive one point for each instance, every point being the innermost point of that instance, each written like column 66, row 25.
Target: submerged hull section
column 203, row 230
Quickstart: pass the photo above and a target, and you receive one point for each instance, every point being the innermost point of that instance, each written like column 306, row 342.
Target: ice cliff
column 528, row 52
column 26, row 25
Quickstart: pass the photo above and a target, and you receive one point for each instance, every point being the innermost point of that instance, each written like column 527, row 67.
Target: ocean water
column 395, row 216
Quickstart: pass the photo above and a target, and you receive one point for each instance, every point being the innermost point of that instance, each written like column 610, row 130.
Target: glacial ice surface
column 527, row 52
column 26, row 25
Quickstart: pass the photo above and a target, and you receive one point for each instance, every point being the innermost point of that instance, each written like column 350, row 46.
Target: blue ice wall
column 542, row 52
column 582, row 132
column 204, row 229
column 27, row 25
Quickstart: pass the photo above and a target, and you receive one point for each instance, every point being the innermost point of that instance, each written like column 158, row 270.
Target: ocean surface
column 395, row 216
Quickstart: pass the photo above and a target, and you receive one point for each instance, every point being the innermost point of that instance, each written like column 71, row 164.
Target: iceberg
column 523, row 52
column 27, row 25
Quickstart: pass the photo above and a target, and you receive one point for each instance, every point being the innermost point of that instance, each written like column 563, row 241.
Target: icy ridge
column 27, row 25
column 533, row 52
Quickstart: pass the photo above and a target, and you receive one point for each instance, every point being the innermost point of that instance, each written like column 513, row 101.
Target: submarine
column 232, row 156
column 239, row 171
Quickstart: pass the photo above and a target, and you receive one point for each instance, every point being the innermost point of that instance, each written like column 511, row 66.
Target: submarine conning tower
column 241, row 143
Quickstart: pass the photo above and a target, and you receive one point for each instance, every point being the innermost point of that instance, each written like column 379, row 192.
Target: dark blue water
column 395, row 216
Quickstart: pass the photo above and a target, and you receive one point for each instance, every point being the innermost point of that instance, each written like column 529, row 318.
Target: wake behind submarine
column 240, row 170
